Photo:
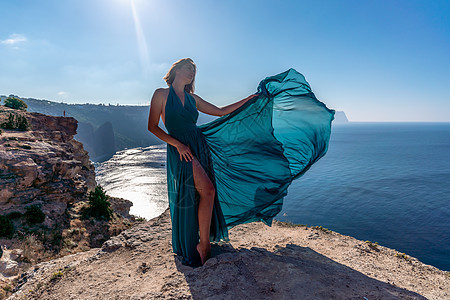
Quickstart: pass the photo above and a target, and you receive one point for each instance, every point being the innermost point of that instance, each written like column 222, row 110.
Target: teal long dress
column 251, row 156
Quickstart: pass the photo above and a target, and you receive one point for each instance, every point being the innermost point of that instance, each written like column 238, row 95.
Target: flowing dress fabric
column 251, row 155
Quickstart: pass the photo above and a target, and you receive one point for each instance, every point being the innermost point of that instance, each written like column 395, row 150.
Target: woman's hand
column 185, row 152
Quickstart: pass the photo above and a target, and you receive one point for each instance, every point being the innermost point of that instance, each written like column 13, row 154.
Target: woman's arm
column 211, row 109
column 153, row 121
column 232, row 107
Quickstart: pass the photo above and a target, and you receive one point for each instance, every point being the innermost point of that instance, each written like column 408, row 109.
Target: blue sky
column 375, row 60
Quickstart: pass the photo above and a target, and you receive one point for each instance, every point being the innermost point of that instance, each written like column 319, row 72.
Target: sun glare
column 142, row 43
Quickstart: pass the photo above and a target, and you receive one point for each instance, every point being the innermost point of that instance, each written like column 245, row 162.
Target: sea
column 383, row 182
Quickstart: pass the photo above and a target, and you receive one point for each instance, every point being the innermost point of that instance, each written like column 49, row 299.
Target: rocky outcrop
column 47, row 170
column 279, row 262
column 43, row 166
column 340, row 117
column 105, row 145
column 85, row 134
column 100, row 143
column 8, row 262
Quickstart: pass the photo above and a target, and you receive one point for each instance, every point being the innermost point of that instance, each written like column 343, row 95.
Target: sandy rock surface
column 260, row 262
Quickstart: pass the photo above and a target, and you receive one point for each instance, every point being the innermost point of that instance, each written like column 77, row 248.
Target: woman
column 178, row 106
column 237, row 168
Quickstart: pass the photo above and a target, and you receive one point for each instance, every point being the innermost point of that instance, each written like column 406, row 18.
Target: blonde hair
column 170, row 76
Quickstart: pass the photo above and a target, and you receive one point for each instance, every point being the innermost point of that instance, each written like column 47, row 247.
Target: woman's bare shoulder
column 160, row 94
column 162, row 91
column 196, row 97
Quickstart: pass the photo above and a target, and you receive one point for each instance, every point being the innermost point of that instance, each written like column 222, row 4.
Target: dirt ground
column 261, row 262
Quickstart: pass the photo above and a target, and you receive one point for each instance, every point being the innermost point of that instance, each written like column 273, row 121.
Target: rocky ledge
column 283, row 261
column 45, row 168
column 43, row 165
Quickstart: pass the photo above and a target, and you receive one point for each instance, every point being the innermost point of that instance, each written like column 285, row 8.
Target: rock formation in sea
column 340, row 117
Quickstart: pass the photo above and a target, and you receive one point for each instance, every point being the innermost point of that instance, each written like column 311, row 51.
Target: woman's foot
column 204, row 251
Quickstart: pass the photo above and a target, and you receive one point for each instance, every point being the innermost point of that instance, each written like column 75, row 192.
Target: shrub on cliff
column 14, row 215
column 10, row 124
column 22, row 123
column 99, row 206
column 6, row 227
column 16, row 103
column 34, row 215
column 16, row 122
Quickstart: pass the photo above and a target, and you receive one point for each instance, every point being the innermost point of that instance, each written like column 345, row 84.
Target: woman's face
column 187, row 71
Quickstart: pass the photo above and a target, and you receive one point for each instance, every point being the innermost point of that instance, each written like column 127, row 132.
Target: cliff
column 340, row 117
column 45, row 179
column 43, row 164
column 284, row 261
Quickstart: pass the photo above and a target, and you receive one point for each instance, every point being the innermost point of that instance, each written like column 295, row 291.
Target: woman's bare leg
column 207, row 192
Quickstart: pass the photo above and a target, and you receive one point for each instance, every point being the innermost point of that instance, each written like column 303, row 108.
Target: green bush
column 34, row 215
column 99, row 206
column 22, row 123
column 6, row 227
column 14, row 215
column 10, row 124
column 16, row 122
column 16, row 103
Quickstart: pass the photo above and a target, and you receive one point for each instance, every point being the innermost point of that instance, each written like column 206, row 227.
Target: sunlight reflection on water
column 138, row 175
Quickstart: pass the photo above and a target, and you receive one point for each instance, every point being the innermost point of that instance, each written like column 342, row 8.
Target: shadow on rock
column 291, row 272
